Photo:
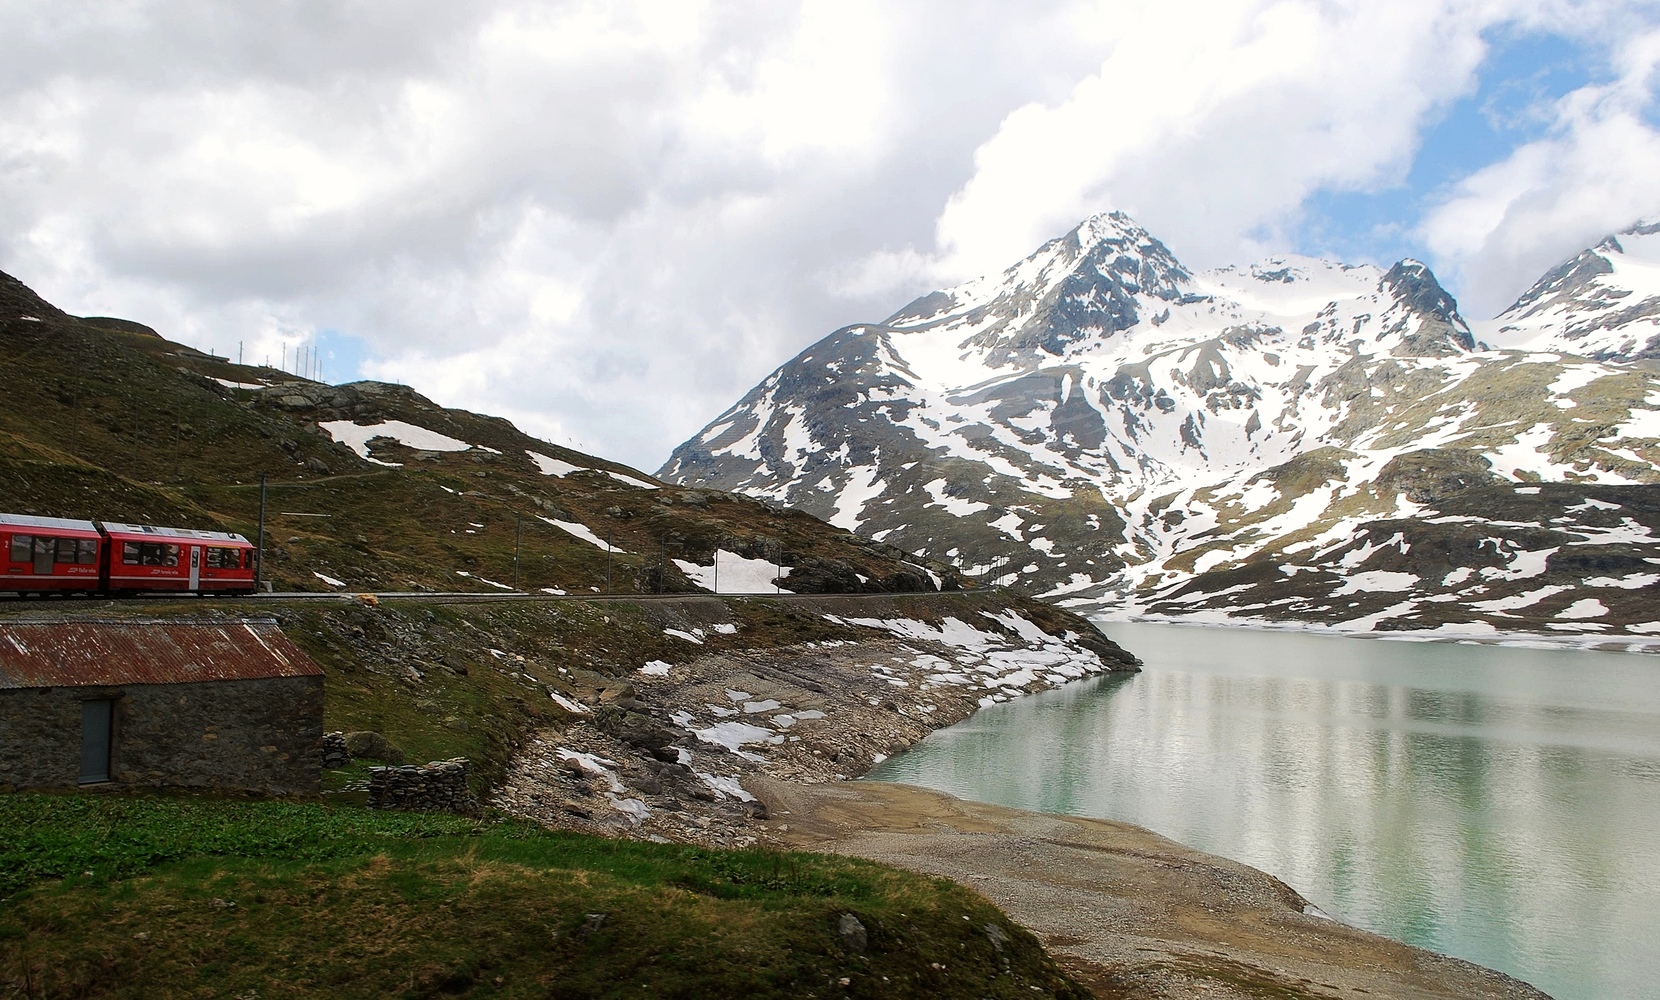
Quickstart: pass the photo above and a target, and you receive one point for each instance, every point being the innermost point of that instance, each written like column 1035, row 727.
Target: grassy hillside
column 110, row 895
column 106, row 896
column 107, row 419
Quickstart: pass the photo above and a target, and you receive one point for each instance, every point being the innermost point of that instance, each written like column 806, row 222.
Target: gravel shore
column 1126, row 911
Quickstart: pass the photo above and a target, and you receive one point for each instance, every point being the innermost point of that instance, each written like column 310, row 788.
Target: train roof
column 154, row 531
column 47, row 523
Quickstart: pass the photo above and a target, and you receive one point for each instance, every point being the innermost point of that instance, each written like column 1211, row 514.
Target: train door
column 195, row 567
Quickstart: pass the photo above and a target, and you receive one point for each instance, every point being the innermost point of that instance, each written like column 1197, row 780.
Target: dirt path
column 1128, row 912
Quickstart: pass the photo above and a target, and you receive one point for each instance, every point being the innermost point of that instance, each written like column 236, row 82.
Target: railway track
column 452, row 597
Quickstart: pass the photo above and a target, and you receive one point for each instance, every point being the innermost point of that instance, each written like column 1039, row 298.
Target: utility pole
column 717, row 567
column 518, row 535
column 608, row 560
column 778, row 557
column 259, row 544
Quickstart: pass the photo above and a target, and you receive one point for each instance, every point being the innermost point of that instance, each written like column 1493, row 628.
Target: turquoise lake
column 1494, row 803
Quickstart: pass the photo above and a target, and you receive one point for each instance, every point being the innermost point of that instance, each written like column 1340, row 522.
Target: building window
column 96, row 729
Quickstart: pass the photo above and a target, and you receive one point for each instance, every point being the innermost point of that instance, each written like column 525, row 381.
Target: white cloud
column 1595, row 173
column 607, row 220
column 1212, row 123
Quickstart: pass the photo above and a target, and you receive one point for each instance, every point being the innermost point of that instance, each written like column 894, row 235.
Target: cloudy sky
column 607, row 220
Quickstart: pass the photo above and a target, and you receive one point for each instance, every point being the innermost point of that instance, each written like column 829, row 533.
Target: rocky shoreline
column 670, row 751
column 753, row 747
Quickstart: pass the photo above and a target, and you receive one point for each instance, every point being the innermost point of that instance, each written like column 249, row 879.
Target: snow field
column 579, row 530
column 988, row 660
column 734, row 574
column 553, row 466
column 357, row 437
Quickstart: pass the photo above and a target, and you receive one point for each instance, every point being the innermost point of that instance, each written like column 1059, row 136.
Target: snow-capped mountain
column 1099, row 423
column 1602, row 304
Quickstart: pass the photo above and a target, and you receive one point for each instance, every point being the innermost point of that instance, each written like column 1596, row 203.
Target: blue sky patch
column 1520, row 81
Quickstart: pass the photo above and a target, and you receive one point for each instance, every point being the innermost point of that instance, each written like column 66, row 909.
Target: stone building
column 230, row 705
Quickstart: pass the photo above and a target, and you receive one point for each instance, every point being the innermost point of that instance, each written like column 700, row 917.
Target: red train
column 56, row 555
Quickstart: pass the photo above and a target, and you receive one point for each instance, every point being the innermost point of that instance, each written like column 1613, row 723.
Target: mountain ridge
column 1103, row 425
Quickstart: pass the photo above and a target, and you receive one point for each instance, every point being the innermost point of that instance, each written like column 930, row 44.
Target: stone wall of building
column 261, row 735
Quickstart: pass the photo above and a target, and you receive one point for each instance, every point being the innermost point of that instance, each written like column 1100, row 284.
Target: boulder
column 373, row 746
column 824, row 576
column 633, row 728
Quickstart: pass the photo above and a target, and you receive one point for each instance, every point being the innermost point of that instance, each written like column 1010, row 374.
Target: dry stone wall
column 335, row 753
column 440, row 786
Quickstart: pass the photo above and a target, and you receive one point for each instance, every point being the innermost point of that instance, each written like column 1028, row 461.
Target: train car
column 52, row 555
column 143, row 557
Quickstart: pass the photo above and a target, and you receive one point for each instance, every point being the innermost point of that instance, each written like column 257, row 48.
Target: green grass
column 143, row 897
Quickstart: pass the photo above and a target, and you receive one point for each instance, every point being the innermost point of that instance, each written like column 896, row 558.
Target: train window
column 150, row 553
column 86, row 552
column 169, row 555
column 44, row 547
column 22, row 546
column 66, row 550
column 131, row 553
column 216, row 558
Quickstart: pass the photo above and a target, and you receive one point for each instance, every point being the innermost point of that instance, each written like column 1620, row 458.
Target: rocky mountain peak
column 1441, row 331
column 1112, row 241
column 1602, row 303
column 1566, row 278
column 1415, row 283
column 1094, row 282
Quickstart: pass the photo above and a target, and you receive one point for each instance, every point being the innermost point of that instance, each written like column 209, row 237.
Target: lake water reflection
column 1498, row 804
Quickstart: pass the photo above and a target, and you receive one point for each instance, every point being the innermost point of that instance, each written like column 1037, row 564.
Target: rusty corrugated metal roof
column 97, row 653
